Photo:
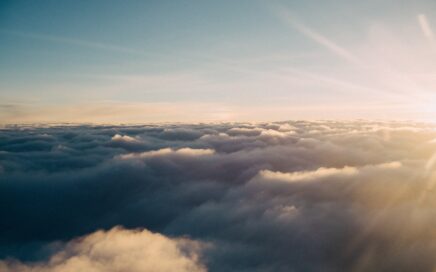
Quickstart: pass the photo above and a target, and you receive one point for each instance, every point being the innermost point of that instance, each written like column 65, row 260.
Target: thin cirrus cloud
column 75, row 42
column 317, row 37
column 391, row 84
column 425, row 27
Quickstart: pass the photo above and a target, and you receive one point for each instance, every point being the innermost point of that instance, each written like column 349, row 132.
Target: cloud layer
column 290, row 196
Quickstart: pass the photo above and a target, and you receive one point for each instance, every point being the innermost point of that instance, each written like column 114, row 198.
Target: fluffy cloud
column 186, row 151
column 118, row 250
column 287, row 196
column 125, row 138
column 308, row 175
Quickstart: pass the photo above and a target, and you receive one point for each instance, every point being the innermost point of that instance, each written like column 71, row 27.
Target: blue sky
column 153, row 61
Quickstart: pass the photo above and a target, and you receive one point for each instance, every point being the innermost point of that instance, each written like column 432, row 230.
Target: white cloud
column 119, row 250
column 275, row 133
column 252, row 131
column 390, row 165
column 308, row 175
column 124, row 138
column 186, row 151
column 322, row 172
column 286, row 127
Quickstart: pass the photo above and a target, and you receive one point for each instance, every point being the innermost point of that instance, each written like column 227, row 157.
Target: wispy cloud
column 426, row 29
column 318, row 38
column 74, row 41
column 425, row 26
column 384, row 74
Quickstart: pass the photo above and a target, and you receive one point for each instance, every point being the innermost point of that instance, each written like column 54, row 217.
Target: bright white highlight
column 308, row 175
column 125, row 138
column 186, row 151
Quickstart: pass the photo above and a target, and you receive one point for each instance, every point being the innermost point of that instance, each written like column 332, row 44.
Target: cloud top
column 118, row 250
column 285, row 196
column 308, row 175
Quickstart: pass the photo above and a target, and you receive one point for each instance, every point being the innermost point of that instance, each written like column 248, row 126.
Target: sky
column 216, row 61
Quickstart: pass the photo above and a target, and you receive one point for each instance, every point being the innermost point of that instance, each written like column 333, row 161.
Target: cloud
column 118, row 250
column 308, row 175
column 246, row 131
column 318, row 38
column 425, row 27
column 331, row 196
column 275, row 133
column 77, row 42
column 125, row 138
column 128, row 143
column 186, row 151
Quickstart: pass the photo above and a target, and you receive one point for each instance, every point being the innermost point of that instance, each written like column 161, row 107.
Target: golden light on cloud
column 119, row 250
column 185, row 151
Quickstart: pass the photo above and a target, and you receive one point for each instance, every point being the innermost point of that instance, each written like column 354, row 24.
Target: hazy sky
column 153, row 61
